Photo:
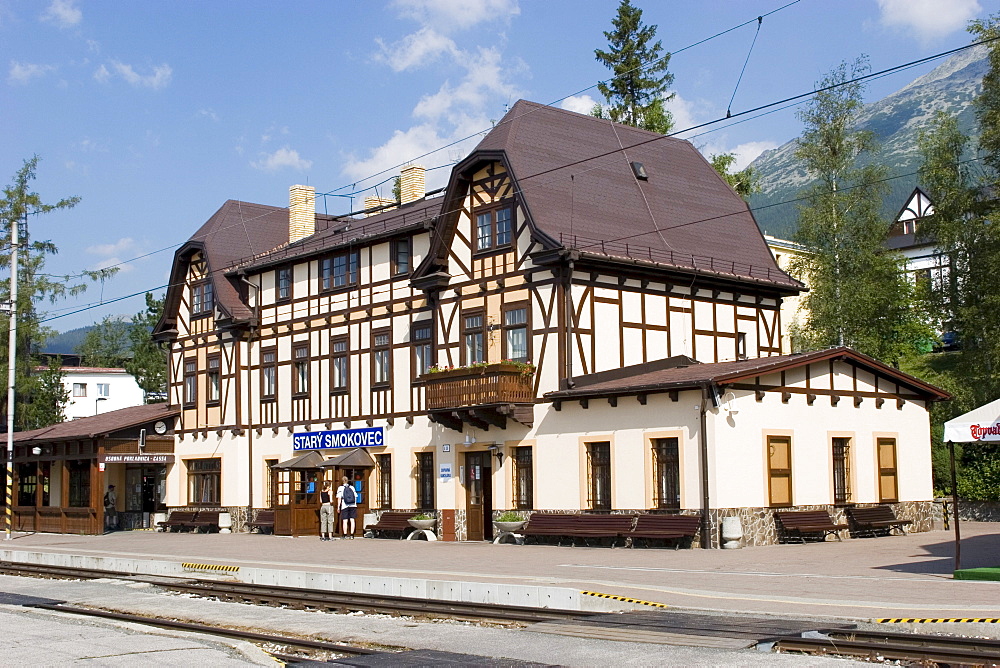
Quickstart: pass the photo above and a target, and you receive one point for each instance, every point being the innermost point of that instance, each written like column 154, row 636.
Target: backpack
column 350, row 496
column 107, row 501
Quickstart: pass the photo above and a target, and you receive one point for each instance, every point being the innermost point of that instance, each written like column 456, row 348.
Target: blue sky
column 156, row 112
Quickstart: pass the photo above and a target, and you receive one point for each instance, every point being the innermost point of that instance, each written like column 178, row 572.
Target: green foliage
column 745, row 182
column 509, row 516
column 34, row 397
column 965, row 294
column 859, row 295
column 397, row 189
column 107, row 344
column 423, row 516
column 148, row 363
column 635, row 94
column 988, row 102
column 43, row 397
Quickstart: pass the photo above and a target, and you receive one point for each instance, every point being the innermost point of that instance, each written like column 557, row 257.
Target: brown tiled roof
column 663, row 375
column 578, row 184
column 99, row 425
column 339, row 232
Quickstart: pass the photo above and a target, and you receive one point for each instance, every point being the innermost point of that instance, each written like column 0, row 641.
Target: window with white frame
column 79, row 389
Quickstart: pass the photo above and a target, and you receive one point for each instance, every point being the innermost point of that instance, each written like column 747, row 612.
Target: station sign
column 369, row 437
column 135, row 459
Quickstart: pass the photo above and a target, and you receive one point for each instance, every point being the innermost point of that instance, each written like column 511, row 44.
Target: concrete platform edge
column 560, row 598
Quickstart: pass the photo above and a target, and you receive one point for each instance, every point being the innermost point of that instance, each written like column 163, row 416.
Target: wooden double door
column 479, row 496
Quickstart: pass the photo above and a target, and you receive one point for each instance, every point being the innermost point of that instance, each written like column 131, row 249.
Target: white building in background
column 923, row 257
column 94, row 390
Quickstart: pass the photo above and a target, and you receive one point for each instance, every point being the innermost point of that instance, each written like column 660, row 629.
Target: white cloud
column 269, row 133
column 209, row 114
column 416, row 49
column 581, row 104
column 64, row 13
column 930, row 19
column 689, row 113
column 281, row 159
column 121, row 246
column 158, row 79
column 22, row 73
column 463, row 106
column 457, row 14
column 747, row 152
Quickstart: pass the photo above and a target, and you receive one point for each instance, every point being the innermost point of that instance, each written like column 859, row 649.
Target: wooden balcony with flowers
column 480, row 395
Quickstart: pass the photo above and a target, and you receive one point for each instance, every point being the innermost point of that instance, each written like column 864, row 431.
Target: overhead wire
column 766, row 108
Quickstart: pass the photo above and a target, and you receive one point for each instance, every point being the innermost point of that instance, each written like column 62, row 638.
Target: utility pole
column 11, row 309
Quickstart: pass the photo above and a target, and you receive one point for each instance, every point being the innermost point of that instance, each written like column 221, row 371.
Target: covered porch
column 62, row 472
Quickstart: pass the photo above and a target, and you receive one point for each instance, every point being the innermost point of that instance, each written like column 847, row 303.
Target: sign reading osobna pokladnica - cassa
column 339, row 438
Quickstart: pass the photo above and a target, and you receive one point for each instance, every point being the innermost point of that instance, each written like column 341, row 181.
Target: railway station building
column 585, row 319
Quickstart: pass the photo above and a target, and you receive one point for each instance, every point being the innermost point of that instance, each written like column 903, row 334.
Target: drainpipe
column 706, row 537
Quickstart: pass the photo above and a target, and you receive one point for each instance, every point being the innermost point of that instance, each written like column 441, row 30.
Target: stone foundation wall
column 759, row 524
column 968, row 511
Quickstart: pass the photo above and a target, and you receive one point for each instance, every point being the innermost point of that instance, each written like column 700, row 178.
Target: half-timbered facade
column 426, row 350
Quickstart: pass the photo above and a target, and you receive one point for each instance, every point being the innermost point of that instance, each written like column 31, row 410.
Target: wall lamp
column 497, row 451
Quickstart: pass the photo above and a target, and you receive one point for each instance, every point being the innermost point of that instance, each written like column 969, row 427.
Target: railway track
column 284, row 642
column 870, row 645
column 309, row 599
column 886, row 646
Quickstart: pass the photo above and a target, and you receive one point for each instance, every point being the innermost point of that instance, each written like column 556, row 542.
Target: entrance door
column 479, row 496
column 296, row 501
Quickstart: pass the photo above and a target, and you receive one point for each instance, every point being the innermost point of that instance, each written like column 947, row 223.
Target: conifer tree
column 859, row 295
column 635, row 94
column 37, row 401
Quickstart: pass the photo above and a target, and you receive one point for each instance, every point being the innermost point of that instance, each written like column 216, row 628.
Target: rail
column 310, row 599
column 672, row 258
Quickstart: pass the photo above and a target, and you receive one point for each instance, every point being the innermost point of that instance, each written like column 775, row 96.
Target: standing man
column 348, row 502
column 327, row 513
column 110, row 509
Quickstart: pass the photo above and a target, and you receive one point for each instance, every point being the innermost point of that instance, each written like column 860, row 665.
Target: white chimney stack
column 411, row 184
column 301, row 212
column 371, row 202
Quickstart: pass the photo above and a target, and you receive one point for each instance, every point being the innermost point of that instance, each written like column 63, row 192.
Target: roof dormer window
column 202, row 298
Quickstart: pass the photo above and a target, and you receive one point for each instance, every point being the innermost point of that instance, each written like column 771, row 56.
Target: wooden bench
column 584, row 527
column 600, row 527
column 547, row 526
column 264, row 520
column 194, row 520
column 802, row 523
column 207, row 520
column 392, row 521
column 676, row 528
column 875, row 521
column 179, row 520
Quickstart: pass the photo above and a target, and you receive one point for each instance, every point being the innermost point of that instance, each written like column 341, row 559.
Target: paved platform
column 863, row 579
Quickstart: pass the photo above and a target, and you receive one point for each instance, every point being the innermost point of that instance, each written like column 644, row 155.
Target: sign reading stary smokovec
column 338, row 438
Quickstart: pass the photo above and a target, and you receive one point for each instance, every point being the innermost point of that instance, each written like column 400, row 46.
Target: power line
column 766, row 108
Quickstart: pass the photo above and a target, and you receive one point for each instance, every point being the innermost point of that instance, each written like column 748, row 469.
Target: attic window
column 640, row 171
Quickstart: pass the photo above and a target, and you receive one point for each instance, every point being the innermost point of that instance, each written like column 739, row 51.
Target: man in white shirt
column 347, row 502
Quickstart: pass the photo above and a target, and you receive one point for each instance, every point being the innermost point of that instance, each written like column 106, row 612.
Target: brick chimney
column 371, row 202
column 411, row 184
column 301, row 212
